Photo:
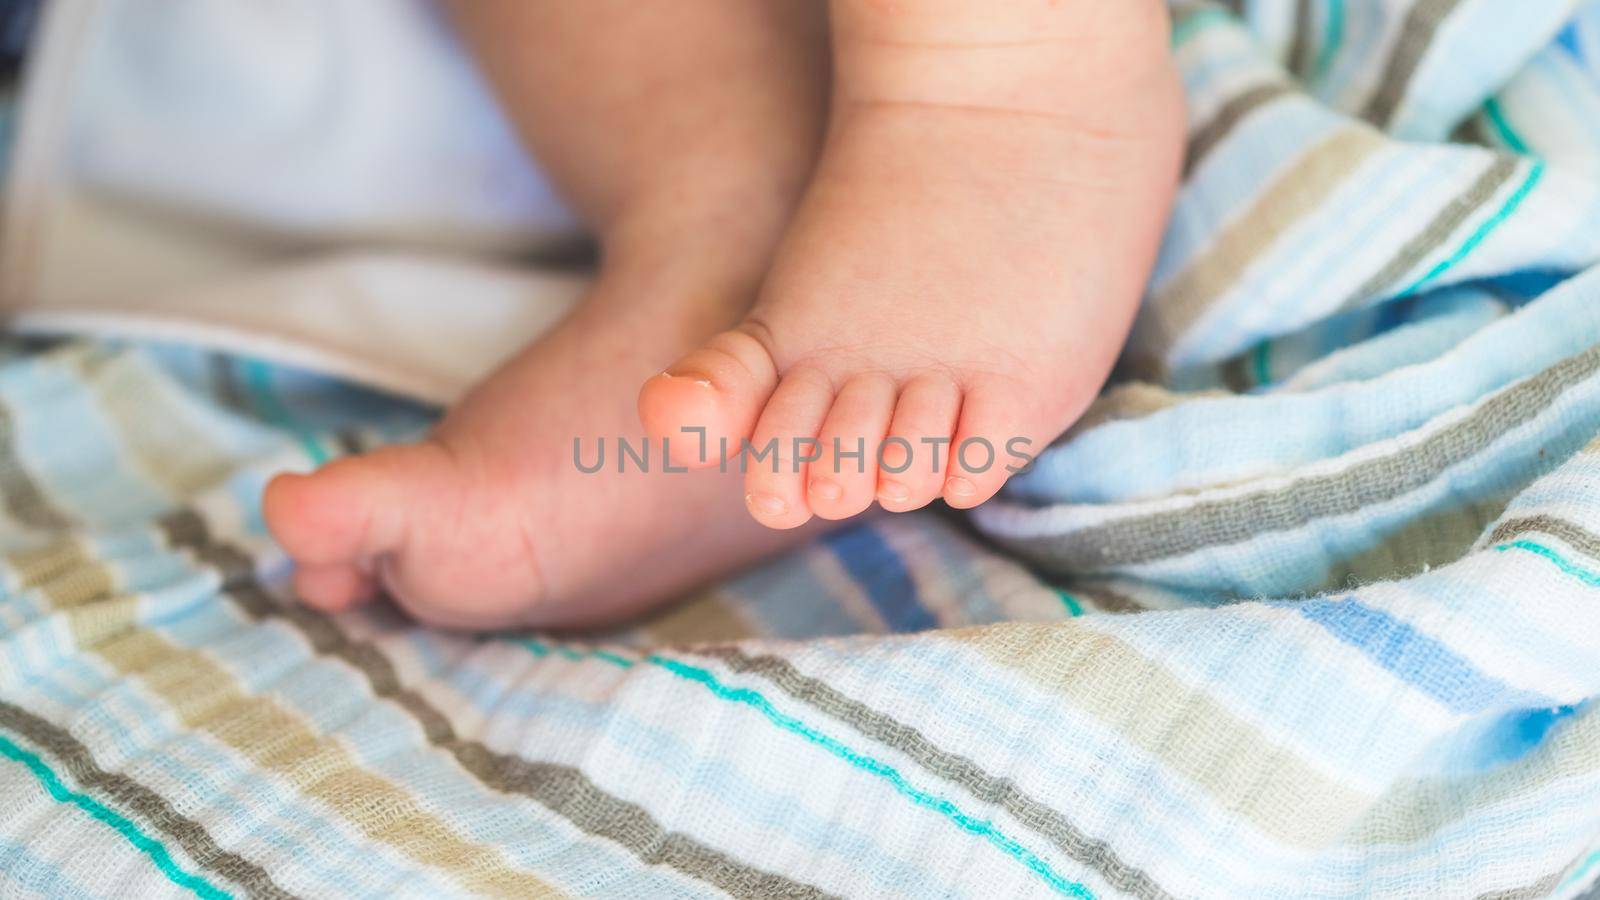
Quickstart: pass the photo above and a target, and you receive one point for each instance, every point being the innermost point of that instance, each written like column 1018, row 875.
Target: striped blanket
column 1308, row 605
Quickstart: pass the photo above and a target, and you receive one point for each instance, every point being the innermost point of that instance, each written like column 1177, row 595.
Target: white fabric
column 321, row 182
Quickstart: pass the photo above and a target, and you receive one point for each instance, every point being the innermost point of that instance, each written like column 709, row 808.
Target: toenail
column 826, row 490
column 766, row 504
column 703, row 382
column 894, row 492
column 960, row 487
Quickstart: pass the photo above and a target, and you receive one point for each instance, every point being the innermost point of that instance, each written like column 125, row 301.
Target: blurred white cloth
column 288, row 178
column 330, row 118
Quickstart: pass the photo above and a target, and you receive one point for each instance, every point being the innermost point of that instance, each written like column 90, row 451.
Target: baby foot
column 494, row 521
column 964, row 267
column 491, row 522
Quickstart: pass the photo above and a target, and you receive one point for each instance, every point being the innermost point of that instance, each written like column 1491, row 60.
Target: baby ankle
column 964, row 23
column 1022, row 55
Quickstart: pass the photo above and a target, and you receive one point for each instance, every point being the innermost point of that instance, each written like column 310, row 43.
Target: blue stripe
column 1397, row 312
column 1416, row 658
column 1529, row 284
column 27, row 870
column 1568, row 39
column 869, row 559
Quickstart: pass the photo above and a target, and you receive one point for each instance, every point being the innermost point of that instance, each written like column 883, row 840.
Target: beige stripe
column 206, row 697
column 1190, row 733
column 1296, row 194
column 563, row 790
column 704, row 618
column 23, row 498
column 61, row 561
column 150, row 422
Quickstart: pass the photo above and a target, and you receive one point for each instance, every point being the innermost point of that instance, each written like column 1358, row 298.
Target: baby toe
column 842, row 483
column 777, row 458
column 333, row 588
column 988, row 448
column 914, row 456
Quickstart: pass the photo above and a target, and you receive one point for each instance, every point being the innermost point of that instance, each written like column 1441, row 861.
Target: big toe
column 706, row 403
column 352, row 509
column 448, row 550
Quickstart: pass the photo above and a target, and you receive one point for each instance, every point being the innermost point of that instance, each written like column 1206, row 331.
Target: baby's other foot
column 965, row 265
column 683, row 133
column 491, row 522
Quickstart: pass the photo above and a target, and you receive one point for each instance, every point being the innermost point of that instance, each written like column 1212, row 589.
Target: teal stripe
column 1074, row 608
column 1261, row 360
column 147, row 845
column 1581, row 872
column 270, row 406
column 1333, row 42
column 1502, row 127
column 541, row 649
column 1483, row 232
column 1196, row 22
column 755, row 700
column 1567, row 567
column 981, row 827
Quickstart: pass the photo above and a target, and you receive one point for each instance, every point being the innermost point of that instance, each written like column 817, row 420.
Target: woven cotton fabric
column 1307, row 606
